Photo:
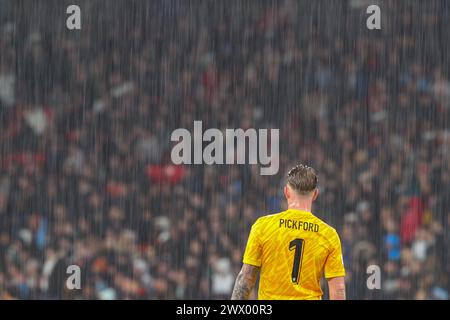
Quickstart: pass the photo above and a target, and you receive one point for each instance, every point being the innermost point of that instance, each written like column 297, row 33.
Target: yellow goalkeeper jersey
column 293, row 249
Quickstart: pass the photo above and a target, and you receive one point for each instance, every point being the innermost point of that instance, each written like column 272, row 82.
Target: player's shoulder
column 268, row 217
column 325, row 227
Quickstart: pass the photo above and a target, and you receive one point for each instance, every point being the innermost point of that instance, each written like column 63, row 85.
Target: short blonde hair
column 302, row 179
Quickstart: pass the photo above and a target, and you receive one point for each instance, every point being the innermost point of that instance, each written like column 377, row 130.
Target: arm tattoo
column 337, row 288
column 339, row 294
column 245, row 282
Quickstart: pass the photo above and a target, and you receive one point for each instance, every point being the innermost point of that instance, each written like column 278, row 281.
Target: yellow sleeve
column 253, row 250
column 334, row 265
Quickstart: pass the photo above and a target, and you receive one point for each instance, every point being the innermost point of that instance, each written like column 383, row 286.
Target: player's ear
column 315, row 194
column 286, row 192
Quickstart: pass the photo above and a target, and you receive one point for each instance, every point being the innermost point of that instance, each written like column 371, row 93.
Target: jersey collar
column 298, row 210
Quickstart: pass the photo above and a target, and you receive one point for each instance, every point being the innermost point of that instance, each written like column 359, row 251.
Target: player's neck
column 299, row 205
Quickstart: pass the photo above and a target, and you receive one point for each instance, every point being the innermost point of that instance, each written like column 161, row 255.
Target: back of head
column 302, row 179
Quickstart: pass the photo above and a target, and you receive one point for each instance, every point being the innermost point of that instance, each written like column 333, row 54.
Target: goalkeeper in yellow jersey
column 292, row 249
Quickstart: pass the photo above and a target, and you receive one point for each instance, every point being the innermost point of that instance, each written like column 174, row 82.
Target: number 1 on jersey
column 298, row 254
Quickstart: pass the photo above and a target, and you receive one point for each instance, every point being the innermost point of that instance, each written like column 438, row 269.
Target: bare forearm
column 337, row 288
column 242, row 288
column 338, row 294
column 245, row 282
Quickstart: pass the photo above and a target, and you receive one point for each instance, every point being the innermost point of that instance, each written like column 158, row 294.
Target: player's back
column 294, row 249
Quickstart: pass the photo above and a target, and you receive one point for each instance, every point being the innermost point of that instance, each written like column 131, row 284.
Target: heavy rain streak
column 141, row 140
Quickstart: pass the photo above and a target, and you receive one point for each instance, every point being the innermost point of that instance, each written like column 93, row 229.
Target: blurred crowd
column 86, row 115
